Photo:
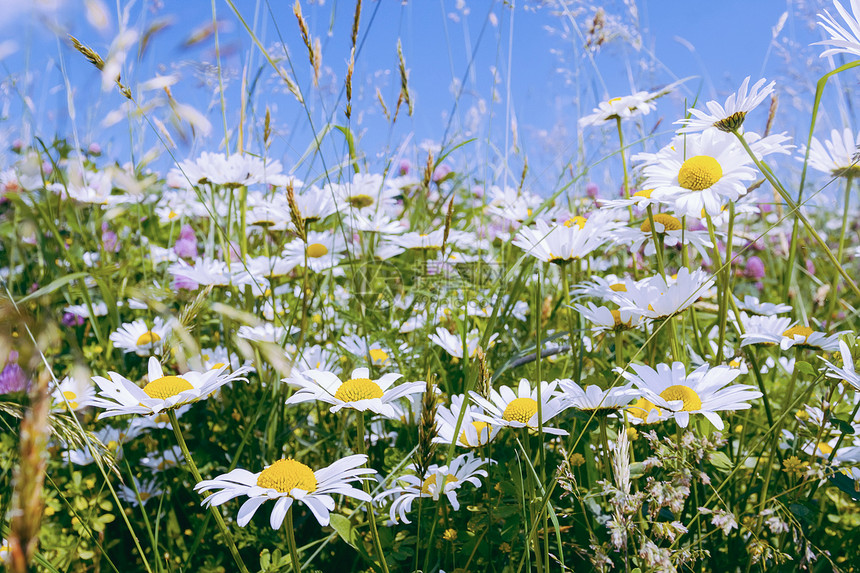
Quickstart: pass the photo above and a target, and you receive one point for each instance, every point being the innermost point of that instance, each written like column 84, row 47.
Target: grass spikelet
column 348, row 84
column 427, row 428
column 404, row 78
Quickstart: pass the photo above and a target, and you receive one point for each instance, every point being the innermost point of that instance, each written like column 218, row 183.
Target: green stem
column 835, row 282
column 291, row 541
column 362, row 449
column 177, row 431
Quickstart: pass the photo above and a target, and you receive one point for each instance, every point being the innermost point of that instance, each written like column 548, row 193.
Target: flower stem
column 231, row 545
column 835, row 282
column 362, row 449
column 291, row 541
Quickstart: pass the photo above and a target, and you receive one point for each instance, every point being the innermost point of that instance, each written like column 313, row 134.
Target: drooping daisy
column 359, row 392
column 700, row 171
column 142, row 492
column 286, row 481
column 453, row 344
column 323, row 250
column 473, row 432
column 593, row 400
column 606, row 320
column 121, row 396
column 139, row 338
column 658, row 297
column 669, row 391
column 561, row 244
column 438, row 481
column 847, row 372
column 728, row 117
column 520, row 409
column 843, row 39
column 838, row 156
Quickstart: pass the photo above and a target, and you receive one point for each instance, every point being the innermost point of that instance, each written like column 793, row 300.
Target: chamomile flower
column 606, row 320
column 624, row 107
column 519, row 409
column 453, row 344
column 838, row 156
column 315, row 204
column 285, row 482
column 163, row 461
column 847, row 372
column 561, row 244
column 752, row 305
column 139, row 338
column 141, row 493
column 796, row 335
column 204, row 271
column 657, row 297
column 323, row 251
column 438, row 481
column 700, row 171
column 593, row 400
column 366, row 193
column 233, row 171
column 610, row 288
column 516, row 205
column 728, row 117
column 473, row 432
column 669, row 391
column 121, row 396
column 765, row 330
column 669, row 228
column 359, row 392
column 359, row 347
column 77, row 392
column 843, row 39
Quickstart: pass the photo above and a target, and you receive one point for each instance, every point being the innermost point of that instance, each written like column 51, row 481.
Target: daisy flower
column 286, row 481
column 610, row 288
column 669, row 391
column 162, row 461
column 438, row 481
column 519, row 409
column 842, row 39
column 141, row 493
column 473, row 432
column 700, row 171
column 752, row 305
column 593, row 400
column 657, row 297
column 516, row 205
column 77, row 392
column 366, row 193
column 233, row 171
column 561, row 244
column 765, row 330
column 315, row 204
column 359, row 392
column 139, row 338
column 728, row 117
column 266, row 332
column 625, row 107
column 797, row 335
column 847, row 372
column 204, row 271
column 606, row 320
column 669, row 228
column 357, row 346
column 453, row 344
column 323, row 251
column 838, row 156
column 120, row 396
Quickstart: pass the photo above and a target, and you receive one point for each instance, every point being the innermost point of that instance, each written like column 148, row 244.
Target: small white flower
column 287, row 481
column 606, row 320
column 473, row 432
column 657, row 297
column 728, row 117
column 593, row 400
column 359, row 392
column 838, row 156
column 120, row 396
column 139, row 338
column 77, row 392
column 144, row 492
column 438, row 481
column 453, row 344
column 520, row 409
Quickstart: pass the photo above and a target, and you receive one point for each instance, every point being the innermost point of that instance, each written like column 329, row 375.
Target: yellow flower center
column 803, row 331
column 360, row 201
column 699, row 172
column 356, row 389
column 167, row 386
column 147, row 338
column 691, row 400
column 479, row 428
column 317, row 250
column 285, row 475
column 669, row 223
column 378, row 356
column 70, row 396
column 642, row 407
column 616, row 315
column 579, row 221
column 618, row 287
column 646, row 193
column 520, row 410
column 825, row 449
column 425, row 487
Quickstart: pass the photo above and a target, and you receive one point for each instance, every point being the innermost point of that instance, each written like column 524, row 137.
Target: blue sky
column 543, row 77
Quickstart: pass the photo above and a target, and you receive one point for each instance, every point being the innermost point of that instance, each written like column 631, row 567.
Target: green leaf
column 804, row 368
column 343, row 526
column 844, row 427
column 52, row 286
column 721, row 461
